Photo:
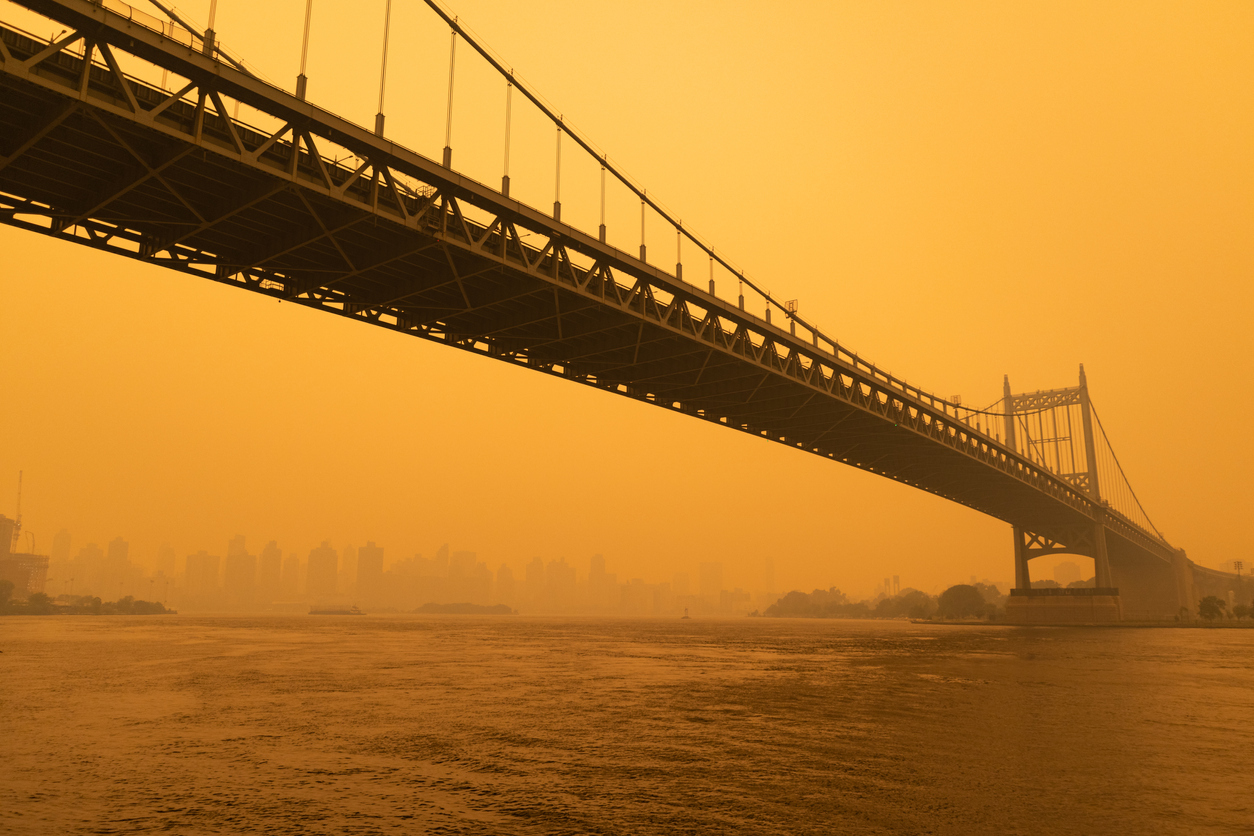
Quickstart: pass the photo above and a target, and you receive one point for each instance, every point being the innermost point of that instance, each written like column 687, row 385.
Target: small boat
column 353, row 610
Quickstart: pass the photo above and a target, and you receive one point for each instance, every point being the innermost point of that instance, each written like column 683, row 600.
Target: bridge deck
column 397, row 241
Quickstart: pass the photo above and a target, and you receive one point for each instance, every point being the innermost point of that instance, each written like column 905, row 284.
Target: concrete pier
column 1064, row 606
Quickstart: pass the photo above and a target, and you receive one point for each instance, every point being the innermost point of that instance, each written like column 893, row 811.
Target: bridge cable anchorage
column 302, row 82
column 638, row 191
column 383, row 67
column 448, row 122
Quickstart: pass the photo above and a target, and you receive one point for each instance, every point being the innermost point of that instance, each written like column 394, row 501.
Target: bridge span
column 318, row 211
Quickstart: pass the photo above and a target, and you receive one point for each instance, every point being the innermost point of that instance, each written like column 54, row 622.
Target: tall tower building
column 323, row 572
column 61, row 546
column 370, row 571
column 202, row 574
column 711, row 580
column 167, row 561
column 269, row 573
column 239, row 573
column 289, row 581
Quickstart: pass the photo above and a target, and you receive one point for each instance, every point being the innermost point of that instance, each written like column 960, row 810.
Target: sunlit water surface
column 527, row 725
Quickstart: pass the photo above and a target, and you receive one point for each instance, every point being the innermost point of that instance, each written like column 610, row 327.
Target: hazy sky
column 955, row 190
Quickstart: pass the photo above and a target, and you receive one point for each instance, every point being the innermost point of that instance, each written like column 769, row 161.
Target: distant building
column 506, row 590
column 61, row 546
column 289, row 581
column 239, row 576
column 533, row 581
column 167, row 561
column 560, row 583
column 27, row 572
column 269, row 573
column 370, row 571
column 710, row 580
column 87, row 574
column 348, row 569
column 1067, row 573
column 323, row 572
column 201, row 578
column 681, row 585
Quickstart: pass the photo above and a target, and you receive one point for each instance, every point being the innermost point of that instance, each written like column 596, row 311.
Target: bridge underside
column 125, row 168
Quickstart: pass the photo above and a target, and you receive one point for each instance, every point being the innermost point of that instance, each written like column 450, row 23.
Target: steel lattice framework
column 381, row 234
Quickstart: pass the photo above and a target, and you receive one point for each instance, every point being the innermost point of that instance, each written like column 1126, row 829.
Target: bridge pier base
column 1100, row 604
column 1064, row 606
column 1101, row 559
column 1023, row 579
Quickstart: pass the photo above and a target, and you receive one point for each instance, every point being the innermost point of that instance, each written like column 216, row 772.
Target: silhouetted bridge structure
column 321, row 212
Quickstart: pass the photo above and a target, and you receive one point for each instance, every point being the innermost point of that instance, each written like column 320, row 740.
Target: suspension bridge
column 122, row 134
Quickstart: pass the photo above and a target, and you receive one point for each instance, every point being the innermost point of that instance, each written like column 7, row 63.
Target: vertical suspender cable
column 165, row 71
column 602, row 198
column 679, row 251
column 557, row 177
column 210, row 37
column 642, row 258
column 1071, row 437
column 509, row 90
column 383, row 70
column 711, row 275
column 301, row 81
column 448, row 124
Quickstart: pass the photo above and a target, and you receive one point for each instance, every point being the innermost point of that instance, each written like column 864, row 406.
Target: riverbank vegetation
column 38, row 603
column 962, row 601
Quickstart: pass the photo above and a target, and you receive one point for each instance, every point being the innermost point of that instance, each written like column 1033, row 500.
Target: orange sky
column 956, row 191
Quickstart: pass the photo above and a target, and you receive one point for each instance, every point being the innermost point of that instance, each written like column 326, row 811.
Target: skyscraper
column 202, row 574
column 711, row 581
column 289, row 581
column 167, row 561
column 370, row 571
column 323, row 570
column 239, row 574
column 61, row 546
column 269, row 573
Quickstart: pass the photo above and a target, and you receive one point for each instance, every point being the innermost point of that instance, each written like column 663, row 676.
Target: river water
column 517, row 725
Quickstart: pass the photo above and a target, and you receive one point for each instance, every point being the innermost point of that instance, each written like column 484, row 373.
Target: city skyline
column 277, row 573
column 173, row 408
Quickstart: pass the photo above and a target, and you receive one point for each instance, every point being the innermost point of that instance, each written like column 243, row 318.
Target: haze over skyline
column 1033, row 189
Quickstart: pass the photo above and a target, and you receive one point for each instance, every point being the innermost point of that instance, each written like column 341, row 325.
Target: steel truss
column 381, row 234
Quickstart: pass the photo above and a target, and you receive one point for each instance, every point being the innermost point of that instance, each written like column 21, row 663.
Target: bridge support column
column 1101, row 561
column 1186, row 596
column 1023, row 580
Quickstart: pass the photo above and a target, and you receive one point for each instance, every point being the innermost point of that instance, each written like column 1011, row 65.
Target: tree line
column 37, row 603
column 959, row 601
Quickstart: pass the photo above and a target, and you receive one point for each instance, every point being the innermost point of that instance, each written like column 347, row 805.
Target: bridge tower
column 1040, row 426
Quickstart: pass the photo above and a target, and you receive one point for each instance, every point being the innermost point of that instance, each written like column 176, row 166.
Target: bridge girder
column 398, row 241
